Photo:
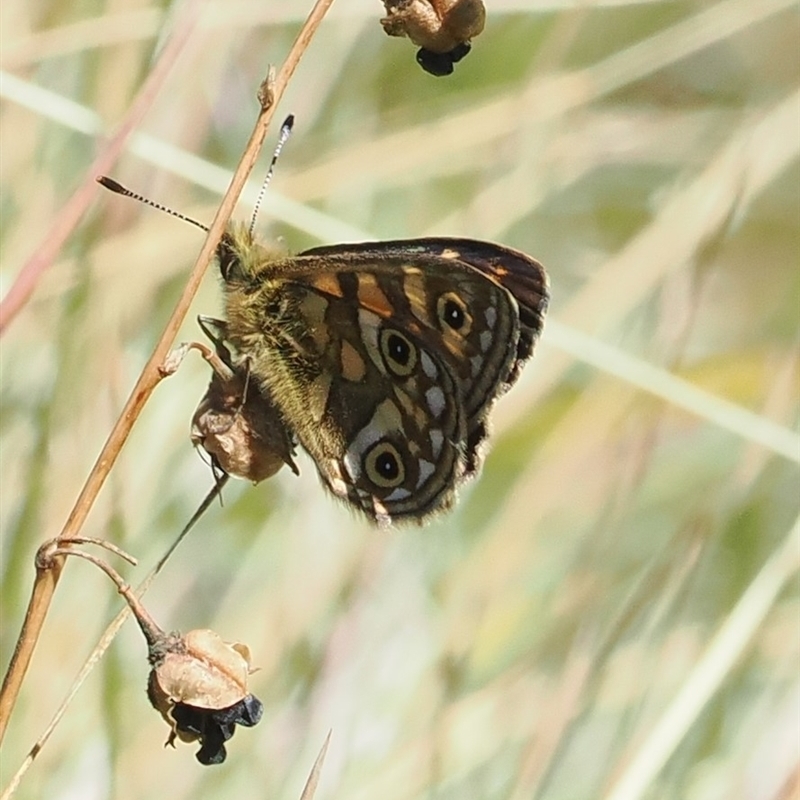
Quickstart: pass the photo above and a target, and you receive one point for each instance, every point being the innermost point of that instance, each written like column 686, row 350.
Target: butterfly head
column 241, row 258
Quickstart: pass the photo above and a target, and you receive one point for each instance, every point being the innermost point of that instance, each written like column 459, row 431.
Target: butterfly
column 382, row 360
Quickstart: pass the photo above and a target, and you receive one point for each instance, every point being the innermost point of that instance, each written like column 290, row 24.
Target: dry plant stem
column 43, row 589
column 71, row 214
column 175, row 359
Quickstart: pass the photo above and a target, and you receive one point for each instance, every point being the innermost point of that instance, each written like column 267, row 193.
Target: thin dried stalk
column 46, row 581
column 310, row 789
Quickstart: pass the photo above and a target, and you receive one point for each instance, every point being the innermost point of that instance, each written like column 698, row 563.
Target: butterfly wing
column 391, row 425
column 524, row 277
column 484, row 373
column 515, row 271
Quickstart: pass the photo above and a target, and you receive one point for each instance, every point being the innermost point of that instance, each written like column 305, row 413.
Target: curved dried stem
column 146, row 622
column 46, row 552
column 269, row 95
column 51, row 553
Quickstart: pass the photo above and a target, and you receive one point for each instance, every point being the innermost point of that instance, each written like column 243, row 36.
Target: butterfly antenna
column 286, row 130
column 113, row 186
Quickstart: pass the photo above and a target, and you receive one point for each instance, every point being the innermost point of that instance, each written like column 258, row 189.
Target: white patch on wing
column 435, row 398
column 381, row 514
column 491, row 316
column 428, row 366
column 369, row 323
column 386, row 419
column 486, row 340
column 425, row 471
column 476, row 362
column 398, row 494
column 353, row 465
column 335, row 480
column 437, row 440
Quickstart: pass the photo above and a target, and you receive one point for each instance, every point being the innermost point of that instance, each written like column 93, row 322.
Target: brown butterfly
column 382, row 360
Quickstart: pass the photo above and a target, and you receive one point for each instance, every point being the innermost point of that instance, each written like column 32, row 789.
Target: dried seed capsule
column 441, row 28
column 198, row 683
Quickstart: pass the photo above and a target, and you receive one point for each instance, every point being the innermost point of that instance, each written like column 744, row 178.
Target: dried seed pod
column 198, row 683
column 441, row 28
column 237, row 426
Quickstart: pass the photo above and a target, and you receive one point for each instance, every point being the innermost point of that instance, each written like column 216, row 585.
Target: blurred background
column 613, row 608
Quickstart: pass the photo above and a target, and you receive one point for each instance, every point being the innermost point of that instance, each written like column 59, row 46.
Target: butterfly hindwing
column 390, row 437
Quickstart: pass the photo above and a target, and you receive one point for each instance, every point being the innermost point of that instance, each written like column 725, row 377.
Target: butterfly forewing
column 517, row 272
column 471, row 322
column 524, row 277
column 503, row 294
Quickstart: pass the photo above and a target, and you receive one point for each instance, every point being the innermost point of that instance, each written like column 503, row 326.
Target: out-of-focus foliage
column 535, row 642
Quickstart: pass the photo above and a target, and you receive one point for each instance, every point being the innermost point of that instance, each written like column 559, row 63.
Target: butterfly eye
column 384, row 466
column 229, row 259
column 399, row 355
column 452, row 312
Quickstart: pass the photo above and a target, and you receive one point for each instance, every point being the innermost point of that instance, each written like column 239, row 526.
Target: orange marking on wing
column 328, row 283
column 415, row 292
column 313, row 308
column 371, row 296
column 353, row 366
